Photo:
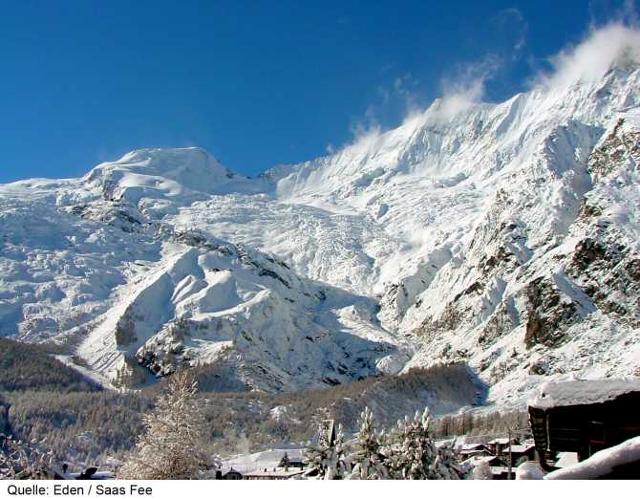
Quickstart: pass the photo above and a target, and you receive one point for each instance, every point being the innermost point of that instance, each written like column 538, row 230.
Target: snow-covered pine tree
column 367, row 462
column 337, row 464
column 172, row 445
column 446, row 463
column 413, row 455
column 482, row 471
column 326, row 458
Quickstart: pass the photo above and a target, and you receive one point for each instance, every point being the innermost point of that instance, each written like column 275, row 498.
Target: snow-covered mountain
column 110, row 265
column 502, row 234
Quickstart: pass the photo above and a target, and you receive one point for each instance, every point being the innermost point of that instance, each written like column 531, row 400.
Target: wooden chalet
column 584, row 416
column 231, row 474
column 470, row 450
column 297, row 463
column 501, row 473
column 498, row 446
column 522, row 452
column 287, row 462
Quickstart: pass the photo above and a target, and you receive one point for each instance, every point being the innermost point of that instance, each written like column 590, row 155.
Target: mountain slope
column 99, row 264
column 504, row 235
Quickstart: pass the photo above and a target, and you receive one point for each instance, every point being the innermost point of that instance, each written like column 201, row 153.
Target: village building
column 497, row 446
column 522, row 452
column 55, row 472
column 231, row 474
column 469, row 450
column 270, row 464
column 502, row 473
column 583, row 417
column 472, row 462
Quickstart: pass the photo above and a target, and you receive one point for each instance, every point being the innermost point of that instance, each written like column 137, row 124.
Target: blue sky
column 256, row 83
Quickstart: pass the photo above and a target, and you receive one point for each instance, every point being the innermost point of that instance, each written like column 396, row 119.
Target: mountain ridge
column 502, row 235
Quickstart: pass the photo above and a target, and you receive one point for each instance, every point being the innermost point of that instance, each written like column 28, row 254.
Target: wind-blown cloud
column 613, row 45
column 616, row 43
column 467, row 86
column 514, row 28
column 467, row 82
column 396, row 99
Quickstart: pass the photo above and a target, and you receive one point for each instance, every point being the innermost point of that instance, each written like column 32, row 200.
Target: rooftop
column 522, row 448
column 499, row 441
column 582, row 392
column 275, row 473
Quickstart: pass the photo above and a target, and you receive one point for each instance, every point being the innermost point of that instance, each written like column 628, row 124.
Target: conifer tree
column 413, row 455
column 367, row 461
column 482, row 471
column 326, row 459
column 446, row 463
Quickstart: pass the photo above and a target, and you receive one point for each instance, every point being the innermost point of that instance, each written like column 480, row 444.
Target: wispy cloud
column 466, row 83
column 398, row 98
column 604, row 48
column 403, row 97
column 367, row 125
column 603, row 12
column 617, row 41
column 513, row 27
column 612, row 40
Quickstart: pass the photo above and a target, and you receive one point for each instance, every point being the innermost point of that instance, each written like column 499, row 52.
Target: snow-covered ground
column 259, row 461
column 93, row 376
column 602, row 463
column 505, row 235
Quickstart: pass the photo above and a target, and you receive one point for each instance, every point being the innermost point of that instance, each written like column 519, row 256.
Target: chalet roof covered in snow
column 478, row 459
column 477, row 445
column 582, row 392
column 524, row 448
column 499, row 441
column 279, row 473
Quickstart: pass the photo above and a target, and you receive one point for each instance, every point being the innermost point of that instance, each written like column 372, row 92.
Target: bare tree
column 172, row 448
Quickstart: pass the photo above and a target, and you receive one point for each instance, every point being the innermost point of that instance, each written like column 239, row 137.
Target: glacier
column 503, row 235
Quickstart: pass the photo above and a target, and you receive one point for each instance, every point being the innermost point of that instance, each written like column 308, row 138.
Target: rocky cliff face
column 569, row 305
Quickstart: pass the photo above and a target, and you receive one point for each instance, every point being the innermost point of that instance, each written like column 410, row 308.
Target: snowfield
column 505, row 235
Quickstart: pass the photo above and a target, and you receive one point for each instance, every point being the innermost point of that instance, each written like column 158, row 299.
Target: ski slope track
column 504, row 235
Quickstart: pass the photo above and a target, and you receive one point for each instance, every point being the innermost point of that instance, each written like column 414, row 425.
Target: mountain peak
column 173, row 163
column 155, row 172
